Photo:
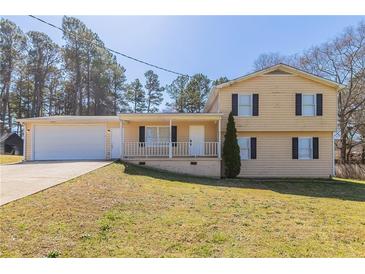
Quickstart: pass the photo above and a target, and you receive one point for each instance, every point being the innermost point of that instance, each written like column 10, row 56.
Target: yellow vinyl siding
column 277, row 104
column 108, row 138
column 28, row 142
column 108, row 144
column 110, row 125
column 274, row 156
column 210, row 131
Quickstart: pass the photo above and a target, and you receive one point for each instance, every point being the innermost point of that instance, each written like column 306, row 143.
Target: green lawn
column 129, row 211
column 10, row 159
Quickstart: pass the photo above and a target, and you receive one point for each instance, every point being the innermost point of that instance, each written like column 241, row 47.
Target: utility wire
column 109, row 49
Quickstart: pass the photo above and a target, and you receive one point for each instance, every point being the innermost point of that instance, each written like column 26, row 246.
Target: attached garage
column 70, row 137
column 75, row 142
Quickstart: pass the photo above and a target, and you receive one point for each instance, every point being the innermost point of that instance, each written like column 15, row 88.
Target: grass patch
column 219, row 238
column 130, row 211
column 349, row 180
column 10, row 159
column 53, row 254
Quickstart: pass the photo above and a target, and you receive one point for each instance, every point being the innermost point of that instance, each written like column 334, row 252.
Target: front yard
column 10, row 159
column 128, row 211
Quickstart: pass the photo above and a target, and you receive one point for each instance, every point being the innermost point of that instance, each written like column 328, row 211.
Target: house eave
column 69, row 119
column 170, row 116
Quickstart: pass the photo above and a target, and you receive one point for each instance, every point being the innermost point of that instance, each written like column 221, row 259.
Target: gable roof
column 283, row 68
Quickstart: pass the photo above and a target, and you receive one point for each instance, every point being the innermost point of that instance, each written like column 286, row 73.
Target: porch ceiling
column 171, row 116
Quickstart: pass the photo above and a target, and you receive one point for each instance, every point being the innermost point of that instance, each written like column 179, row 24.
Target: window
column 309, row 104
column 244, row 144
column 157, row 134
column 305, row 146
column 244, row 105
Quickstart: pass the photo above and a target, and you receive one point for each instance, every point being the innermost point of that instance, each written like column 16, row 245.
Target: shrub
column 231, row 150
column 105, row 227
column 350, row 171
column 53, row 254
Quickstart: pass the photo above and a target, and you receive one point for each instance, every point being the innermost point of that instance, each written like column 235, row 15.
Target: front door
column 116, row 142
column 196, row 139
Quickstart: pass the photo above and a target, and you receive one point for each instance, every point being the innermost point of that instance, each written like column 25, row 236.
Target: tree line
column 342, row 60
column 81, row 77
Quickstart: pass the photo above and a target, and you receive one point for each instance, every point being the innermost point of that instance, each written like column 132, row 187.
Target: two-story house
column 285, row 120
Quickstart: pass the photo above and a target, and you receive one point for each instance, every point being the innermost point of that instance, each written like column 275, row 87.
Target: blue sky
column 214, row 45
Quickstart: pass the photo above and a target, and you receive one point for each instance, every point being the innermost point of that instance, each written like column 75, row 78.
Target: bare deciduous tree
column 343, row 61
column 270, row 59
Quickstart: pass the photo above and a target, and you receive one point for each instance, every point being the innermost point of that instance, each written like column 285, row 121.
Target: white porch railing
column 170, row 149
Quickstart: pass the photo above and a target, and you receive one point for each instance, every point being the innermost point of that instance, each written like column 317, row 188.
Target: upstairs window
column 244, row 144
column 245, row 105
column 305, row 146
column 309, row 105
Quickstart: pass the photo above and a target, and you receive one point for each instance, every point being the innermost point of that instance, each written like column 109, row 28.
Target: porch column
column 170, row 143
column 219, row 138
column 121, row 140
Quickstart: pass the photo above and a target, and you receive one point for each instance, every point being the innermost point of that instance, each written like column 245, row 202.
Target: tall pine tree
column 196, row 93
column 220, row 80
column 154, row 96
column 118, row 84
column 43, row 57
column 136, row 96
column 12, row 43
column 177, row 92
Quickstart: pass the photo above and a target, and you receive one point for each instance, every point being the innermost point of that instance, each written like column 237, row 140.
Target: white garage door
column 69, row 142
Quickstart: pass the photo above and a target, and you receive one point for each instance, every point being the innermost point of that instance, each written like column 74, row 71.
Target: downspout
column 219, row 135
column 333, row 155
column 219, row 140
column 121, row 139
column 31, row 132
column 24, row 141
column 170, row 141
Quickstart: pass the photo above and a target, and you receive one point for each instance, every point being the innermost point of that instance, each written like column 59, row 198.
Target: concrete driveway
column 20, row 180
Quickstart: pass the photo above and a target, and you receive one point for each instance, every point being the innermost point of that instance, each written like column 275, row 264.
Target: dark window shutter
column 235, row 104
column 315, row 148
column 295, row 148
column 174, row 135
column 255, row 102
column 141, row 135
column 298, row 104
column 319, row 100
column 253, row 147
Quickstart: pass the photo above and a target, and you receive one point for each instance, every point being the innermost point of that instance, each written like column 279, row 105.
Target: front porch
column 170, row 135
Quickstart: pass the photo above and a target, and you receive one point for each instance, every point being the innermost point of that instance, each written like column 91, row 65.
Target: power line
column 109, row 49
